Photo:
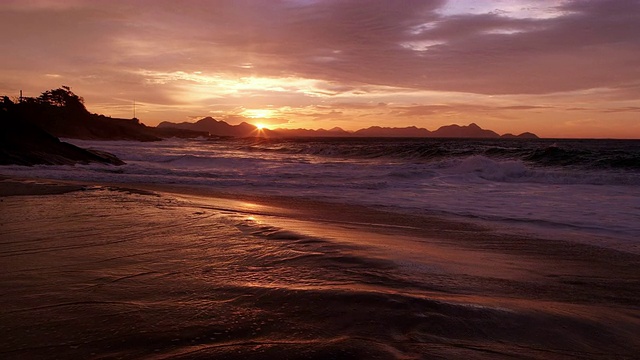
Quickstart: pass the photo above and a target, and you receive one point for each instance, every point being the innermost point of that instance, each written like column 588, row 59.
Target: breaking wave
column 588, row 154
column 581, row 184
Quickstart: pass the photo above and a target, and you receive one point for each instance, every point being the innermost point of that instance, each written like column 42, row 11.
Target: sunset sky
column 556, row 68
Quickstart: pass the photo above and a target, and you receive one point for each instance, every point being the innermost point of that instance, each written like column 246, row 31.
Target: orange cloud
column 429, row 61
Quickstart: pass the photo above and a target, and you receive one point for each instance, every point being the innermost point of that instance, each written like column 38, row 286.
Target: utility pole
column 20, row 96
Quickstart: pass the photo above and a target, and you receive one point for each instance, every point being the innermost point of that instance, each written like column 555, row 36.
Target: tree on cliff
column 62, row 113
column 64, row 98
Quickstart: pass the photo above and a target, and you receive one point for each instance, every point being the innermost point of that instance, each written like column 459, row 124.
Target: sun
column 258, row 115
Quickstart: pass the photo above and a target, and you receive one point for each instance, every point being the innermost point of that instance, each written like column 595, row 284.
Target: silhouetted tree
column 63, row 97
column 5, row 107
column 6, row 102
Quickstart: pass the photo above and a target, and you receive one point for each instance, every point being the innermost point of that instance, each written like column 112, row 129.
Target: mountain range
column 212, row 127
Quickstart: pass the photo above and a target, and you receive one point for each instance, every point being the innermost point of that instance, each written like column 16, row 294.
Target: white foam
column 597, row 204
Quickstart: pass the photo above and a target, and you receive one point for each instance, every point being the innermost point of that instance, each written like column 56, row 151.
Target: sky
column 556, row 68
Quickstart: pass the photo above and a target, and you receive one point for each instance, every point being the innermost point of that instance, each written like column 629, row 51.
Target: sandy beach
column 168, row 272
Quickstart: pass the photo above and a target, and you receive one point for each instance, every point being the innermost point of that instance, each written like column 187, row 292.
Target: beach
column 93, row 270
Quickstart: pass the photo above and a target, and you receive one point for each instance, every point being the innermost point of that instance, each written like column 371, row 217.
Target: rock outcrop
column 22, row 143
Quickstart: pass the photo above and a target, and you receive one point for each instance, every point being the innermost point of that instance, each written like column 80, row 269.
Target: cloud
column 623, row 109
column 587, row 44
column 468, row 109
column 523, row 107
column 191, row 55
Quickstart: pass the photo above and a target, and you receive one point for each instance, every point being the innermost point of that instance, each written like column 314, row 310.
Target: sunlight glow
column 222, row 85
column 257, row 113
column 517, row 9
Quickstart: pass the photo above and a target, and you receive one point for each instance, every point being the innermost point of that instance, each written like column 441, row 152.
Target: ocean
column 586, row 190
column 325, row 249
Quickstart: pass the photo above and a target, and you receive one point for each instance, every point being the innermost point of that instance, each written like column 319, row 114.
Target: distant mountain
column 470, row 131
column 221, row 128
column 524, row 135
column 214, row 127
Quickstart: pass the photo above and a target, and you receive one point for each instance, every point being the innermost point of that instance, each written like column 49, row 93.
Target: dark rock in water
column 23, row 143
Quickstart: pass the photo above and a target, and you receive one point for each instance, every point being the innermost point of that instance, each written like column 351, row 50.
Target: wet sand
column 148, row 271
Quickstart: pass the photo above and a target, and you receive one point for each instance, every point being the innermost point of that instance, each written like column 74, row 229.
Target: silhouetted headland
column 22, row 143
column 29, row 130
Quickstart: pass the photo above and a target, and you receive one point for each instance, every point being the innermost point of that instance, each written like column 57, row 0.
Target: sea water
column 586, row 190
column 112, row 272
